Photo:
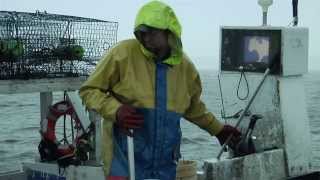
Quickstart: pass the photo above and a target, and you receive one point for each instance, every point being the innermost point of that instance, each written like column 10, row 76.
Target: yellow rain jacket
column 129, row 74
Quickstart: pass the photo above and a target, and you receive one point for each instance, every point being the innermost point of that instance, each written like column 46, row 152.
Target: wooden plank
column 97, row 156
column 76, row 102
column 40, row 85
column 45, row 101
column 86, row 119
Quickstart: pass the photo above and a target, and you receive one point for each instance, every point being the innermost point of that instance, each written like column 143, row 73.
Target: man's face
column 155, row 40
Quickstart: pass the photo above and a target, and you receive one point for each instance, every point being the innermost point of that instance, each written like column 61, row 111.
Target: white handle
column 131, row 156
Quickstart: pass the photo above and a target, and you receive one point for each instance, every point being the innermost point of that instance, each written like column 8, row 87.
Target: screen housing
column 233, row 51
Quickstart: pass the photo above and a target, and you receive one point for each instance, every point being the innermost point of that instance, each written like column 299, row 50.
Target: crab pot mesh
column 42, row 45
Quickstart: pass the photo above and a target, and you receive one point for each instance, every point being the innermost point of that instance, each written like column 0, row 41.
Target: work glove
column 226, row 131
column 128, row 118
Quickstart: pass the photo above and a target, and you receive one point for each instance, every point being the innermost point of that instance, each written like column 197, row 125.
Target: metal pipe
column 265, row 18
column 131, row 156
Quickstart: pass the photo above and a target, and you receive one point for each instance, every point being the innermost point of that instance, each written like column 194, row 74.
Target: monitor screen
column 256, row 49
column 252, row 50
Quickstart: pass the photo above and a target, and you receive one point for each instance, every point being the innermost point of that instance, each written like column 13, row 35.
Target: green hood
column 159, row 15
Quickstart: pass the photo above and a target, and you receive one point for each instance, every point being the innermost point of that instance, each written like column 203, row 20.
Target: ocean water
column 20, row 114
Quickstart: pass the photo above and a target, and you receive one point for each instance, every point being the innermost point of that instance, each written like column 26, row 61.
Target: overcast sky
column 200, row 20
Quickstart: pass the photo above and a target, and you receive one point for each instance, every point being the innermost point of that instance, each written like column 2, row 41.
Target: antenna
column 295, row 12
column 265, row 5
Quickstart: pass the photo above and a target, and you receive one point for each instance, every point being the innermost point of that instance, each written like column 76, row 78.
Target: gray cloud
column 200, row 19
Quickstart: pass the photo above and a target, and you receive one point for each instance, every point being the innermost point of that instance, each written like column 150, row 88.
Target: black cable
column 235, row 115
column 223, row 112
column 61, row 171
column 64, row 122
column 64, row 130
column 72, row 131
column 223, row 115
column 247, row 84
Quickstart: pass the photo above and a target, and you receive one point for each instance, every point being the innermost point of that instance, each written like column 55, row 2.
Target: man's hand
column 128, row 118
column 226, row 132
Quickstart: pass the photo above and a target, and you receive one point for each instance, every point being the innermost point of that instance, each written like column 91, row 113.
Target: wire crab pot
column 42, row 45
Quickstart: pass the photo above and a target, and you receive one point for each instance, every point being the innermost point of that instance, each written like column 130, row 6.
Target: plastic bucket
column 186, row 170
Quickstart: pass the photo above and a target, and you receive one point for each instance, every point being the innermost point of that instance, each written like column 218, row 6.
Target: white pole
column 131, row 156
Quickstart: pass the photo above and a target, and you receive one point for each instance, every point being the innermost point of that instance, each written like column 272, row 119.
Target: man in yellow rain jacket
column 147, row 84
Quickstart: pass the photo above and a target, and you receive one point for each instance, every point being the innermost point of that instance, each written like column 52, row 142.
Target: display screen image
column 256, row 49
column 250, row 50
